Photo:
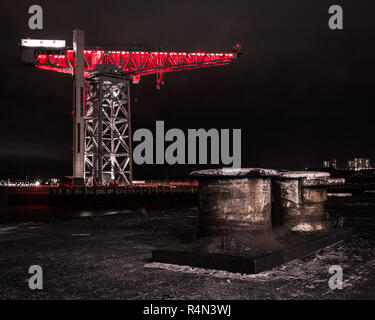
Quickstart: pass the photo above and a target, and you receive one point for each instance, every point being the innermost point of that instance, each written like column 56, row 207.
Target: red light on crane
column 134, row 64
column 136, row 78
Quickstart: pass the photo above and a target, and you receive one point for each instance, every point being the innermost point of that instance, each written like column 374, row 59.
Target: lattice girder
column 107, row 131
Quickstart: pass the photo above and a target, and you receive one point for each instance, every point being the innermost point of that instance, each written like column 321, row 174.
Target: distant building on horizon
column 356, row 164
column 359, row 164
column 330, row 164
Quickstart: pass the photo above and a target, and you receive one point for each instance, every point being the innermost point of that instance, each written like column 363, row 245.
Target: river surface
column 41, row 211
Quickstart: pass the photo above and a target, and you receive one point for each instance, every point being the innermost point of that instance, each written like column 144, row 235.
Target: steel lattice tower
column 107, row 130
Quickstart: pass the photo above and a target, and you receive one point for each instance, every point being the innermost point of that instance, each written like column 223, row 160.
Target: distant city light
column 27, row 183
column 357, row 164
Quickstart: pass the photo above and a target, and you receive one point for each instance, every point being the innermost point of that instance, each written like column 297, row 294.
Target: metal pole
column 78, row 108
column 130, row 135
column 100, row 133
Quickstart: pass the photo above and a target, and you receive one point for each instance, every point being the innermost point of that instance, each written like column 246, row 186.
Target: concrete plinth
column 298, row 200
column 235, row 230
column 293, row 247
column 235, row 210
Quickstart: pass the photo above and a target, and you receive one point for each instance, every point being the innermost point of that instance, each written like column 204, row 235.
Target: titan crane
column 102, row 151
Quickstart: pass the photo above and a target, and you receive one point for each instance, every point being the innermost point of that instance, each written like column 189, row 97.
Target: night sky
column 301, row 93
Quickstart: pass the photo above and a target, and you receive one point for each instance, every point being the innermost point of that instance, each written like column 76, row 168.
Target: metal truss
column 131, row 63
column 107, row 131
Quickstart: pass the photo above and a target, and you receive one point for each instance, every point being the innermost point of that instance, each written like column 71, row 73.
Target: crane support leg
column 108, row 156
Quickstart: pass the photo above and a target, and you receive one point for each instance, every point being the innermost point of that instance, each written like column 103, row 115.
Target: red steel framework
column 132, row 63
column 102, row 152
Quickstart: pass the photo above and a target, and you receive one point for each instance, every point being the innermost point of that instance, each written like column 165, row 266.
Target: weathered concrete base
column 293, row 246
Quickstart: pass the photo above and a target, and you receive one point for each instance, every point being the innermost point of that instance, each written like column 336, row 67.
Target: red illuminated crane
column 101, row 103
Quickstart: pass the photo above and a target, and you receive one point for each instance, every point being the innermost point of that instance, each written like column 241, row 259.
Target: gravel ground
column 107, row 257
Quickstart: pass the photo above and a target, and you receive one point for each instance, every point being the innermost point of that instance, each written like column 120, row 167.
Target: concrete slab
column 293, row 246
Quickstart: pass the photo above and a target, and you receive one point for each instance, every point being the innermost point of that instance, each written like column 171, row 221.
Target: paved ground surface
column 106, row 257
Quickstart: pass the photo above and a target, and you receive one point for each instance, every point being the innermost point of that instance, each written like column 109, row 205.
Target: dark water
column 40, row 210
column 355, row 208
column 352, row 208
column 43, row 212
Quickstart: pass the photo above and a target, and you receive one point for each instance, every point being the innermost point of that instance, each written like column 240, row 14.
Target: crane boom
column 132, row 64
